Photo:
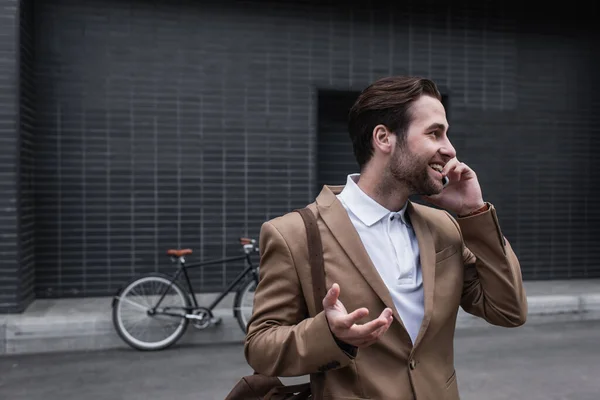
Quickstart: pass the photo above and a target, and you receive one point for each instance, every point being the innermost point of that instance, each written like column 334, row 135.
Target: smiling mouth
column 436, row 167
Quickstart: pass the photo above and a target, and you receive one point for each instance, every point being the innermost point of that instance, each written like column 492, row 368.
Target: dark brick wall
column 9, row 114
column 184, row 123
column 17, row 212
column 26, row 213
column 8, row 159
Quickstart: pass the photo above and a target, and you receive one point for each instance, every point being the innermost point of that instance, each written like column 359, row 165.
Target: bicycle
column 161, row 298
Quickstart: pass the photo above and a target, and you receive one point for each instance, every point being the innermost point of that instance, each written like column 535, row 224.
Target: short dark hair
column 386, row 102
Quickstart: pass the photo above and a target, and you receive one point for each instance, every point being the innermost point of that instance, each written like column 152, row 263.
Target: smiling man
column 397, row 271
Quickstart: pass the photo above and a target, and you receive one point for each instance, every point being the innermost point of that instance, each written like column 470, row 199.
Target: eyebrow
column 436, row 125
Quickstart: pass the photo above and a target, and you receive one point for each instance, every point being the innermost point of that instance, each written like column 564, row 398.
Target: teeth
column 437, row 167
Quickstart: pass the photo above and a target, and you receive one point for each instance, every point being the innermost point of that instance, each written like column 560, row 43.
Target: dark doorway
column 335, row 158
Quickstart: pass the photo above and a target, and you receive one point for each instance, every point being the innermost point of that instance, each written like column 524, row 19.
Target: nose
column 447, row 149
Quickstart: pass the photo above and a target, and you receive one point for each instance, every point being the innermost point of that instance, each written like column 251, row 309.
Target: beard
column 409, row 170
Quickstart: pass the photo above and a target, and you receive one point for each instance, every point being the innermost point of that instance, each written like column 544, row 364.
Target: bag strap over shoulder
column 317, row 271
column 315, row 257
column 263, row 387
column 295, row 392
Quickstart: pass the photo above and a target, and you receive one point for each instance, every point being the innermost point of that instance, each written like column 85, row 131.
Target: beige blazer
column 466, row 262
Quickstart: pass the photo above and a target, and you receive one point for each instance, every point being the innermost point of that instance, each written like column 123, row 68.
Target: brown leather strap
column 317, row 269
column 301, row 391
column 315, row 257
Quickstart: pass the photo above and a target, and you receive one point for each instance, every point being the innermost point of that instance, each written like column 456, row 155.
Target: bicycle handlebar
column 249, row 245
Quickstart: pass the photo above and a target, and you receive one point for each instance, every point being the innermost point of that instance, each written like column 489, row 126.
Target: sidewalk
column 86, row 324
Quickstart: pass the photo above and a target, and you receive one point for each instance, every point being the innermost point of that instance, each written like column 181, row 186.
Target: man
column 397, row 271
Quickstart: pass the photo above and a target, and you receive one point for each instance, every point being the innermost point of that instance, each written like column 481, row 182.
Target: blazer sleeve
column 493, row 285
column 282, row 340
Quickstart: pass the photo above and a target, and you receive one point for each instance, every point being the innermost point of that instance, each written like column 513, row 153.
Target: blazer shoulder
column 290, row 224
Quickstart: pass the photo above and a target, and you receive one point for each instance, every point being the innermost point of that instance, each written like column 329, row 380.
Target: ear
column 383, row 139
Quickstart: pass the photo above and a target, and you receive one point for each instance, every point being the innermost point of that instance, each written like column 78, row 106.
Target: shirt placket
column 399, row 243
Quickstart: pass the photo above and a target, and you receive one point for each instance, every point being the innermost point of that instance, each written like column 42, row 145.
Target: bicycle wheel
column 150, row 331
column 243, row 302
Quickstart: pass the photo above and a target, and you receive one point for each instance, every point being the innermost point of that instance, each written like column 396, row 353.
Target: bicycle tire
column 248, row 285
column 127, row 336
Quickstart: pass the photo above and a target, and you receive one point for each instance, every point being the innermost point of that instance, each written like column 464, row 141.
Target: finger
column 450, row 165
column 350, row 319
column 380, row 326
column 387, row 313
column 462, row 171
column 386, row 319
column 374, row 337
column 456, row 172
column 361, row 331
column 379, row 332
column 332, row 296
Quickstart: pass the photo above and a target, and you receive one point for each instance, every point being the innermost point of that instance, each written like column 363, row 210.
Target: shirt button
column 412, row 364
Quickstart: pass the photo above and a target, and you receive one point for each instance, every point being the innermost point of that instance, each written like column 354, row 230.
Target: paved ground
column 558, row 361
column 59, row 325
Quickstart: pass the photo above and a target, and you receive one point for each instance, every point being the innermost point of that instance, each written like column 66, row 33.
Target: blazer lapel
column 427, row 258
column 336, row 218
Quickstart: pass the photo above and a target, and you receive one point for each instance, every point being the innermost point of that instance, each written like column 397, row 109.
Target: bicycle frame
column 183, row 269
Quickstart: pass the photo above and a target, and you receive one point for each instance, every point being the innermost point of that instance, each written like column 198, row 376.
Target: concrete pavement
column 86, row 324
column 552, row 361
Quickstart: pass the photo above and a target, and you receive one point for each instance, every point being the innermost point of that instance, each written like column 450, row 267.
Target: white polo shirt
column 392, row 246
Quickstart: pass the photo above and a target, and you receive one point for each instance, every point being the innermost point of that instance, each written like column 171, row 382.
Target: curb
column 86, row 334
column 23, row 334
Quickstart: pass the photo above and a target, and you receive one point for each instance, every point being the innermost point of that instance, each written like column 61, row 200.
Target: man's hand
column 463, row 193
column 343, row 325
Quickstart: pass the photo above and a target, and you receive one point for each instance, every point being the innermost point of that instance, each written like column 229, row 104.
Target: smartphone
column 445, row 181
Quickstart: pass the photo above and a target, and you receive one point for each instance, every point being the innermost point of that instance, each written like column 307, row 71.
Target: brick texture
column 16, row 156
column 26, row 211
column 9, row 114
column 189, row 123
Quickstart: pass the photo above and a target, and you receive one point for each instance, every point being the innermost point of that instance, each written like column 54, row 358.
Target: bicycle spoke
column 154, row 330
column 142, row 296
column 134, row 304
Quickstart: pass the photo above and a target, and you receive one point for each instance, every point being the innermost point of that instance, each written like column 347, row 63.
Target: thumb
column 332, row 296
